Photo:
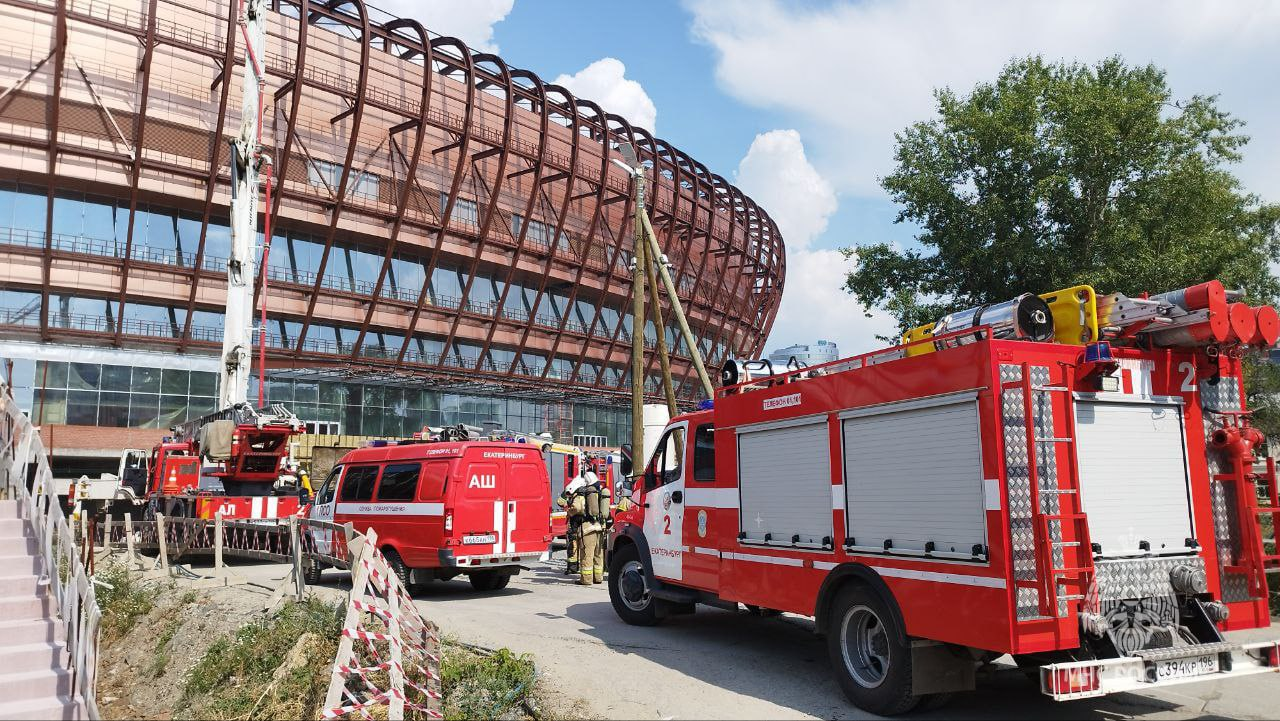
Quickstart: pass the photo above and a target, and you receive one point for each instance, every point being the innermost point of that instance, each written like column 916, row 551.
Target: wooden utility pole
column 637, row 316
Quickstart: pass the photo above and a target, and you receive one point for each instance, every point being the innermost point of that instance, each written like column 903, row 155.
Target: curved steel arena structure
column 451, row 241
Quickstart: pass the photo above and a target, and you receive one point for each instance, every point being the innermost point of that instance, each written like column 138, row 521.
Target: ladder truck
column 234, row 461
column 1070, row 478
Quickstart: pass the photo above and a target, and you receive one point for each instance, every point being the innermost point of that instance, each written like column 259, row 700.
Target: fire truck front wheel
column 870, row 652
column 628, row 589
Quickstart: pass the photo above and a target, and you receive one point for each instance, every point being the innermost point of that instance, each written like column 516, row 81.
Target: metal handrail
column 23, row 456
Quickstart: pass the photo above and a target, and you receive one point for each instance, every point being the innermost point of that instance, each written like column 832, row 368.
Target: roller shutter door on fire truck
column 913, row 475
column 1133, row 476
column 784, row 476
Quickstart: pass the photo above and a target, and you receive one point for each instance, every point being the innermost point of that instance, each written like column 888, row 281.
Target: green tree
column 1058, row 174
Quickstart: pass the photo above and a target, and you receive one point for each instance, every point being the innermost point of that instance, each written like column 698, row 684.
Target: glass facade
column 96, row 394
column 138, row 396
column 84, row 223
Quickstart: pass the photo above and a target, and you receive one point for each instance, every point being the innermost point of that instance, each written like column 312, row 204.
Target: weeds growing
column 477, row 684
column 276, row 667
column 123, row 597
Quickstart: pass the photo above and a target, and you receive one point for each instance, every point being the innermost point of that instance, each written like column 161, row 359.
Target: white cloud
column 778, row 176
column 605, row 83
column 472, row 21
column 852, row 74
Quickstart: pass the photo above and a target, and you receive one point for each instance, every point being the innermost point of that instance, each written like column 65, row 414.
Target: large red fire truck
column 1068, row 479
column 234, row 462
column 443, row 508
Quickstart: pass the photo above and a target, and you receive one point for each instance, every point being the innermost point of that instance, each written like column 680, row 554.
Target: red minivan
column 444, row 508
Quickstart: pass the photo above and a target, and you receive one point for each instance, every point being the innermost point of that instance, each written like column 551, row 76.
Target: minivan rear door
column 479, row 508
column 528, row 494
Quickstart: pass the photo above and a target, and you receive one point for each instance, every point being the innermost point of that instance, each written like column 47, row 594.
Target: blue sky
column 797, row 102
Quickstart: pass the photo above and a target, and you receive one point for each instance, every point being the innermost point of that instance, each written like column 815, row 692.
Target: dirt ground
column 142, row 672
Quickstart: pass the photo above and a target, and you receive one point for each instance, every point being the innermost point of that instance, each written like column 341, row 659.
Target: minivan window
column 325, row 495
column 399, row 481
column 357, row 485
column 431, row 488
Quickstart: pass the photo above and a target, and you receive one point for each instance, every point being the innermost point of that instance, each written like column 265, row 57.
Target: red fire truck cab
column 1093, row 514
column 443, row 509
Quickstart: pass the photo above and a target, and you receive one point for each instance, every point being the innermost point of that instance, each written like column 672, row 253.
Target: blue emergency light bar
column 1099, row 352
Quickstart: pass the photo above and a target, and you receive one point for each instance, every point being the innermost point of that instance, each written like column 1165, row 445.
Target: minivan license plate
column 1186, row 667
column 479, row 539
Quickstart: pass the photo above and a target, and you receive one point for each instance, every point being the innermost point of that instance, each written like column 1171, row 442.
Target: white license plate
column 479, row 539
column 1186, row 667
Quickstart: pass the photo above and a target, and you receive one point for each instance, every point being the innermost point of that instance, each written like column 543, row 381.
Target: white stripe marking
column 498, row 523
column 984, row 581
column 390, row 509
column 772, row 560
column 511, row 526
column 273, row 505
column 711, row 497
column 955, row 578
column 256, row 508
column 837, row 496
column 706, row 551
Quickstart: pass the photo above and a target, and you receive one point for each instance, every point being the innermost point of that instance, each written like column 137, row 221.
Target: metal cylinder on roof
column 1210, row 295
column 1268, row 327
column 1244, row 323
column 1026, row 317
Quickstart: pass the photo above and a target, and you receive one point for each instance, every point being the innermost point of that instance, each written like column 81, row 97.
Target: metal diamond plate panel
column 1131, row 578
column 1017, row 471
column 1223, row 396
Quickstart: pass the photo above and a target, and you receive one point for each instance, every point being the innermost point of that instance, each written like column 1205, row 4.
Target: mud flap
column 937, row 668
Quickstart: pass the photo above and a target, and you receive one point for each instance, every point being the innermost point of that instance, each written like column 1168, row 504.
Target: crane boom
column 237, row 338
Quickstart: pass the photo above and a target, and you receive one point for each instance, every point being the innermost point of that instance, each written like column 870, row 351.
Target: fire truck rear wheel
column 628, row 589
column 489, row 580
column 870, row 652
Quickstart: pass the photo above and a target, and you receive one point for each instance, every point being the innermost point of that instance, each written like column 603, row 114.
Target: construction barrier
column 27, row 478
column 388, row 655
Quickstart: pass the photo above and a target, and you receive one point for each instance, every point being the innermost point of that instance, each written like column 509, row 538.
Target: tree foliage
column 1059, row 174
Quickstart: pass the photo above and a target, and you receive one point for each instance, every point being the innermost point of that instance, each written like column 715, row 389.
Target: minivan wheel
column 629, row 589
column 398, row 568
column 489, row 580
column 311, row 572
column 870, row 653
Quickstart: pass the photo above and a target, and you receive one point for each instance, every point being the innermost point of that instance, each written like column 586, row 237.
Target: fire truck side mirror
column 627, row 464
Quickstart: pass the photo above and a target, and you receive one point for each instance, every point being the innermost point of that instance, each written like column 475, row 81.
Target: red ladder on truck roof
column 1049, row 575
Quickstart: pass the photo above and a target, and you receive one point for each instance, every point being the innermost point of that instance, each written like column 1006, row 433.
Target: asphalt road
column 717, row 664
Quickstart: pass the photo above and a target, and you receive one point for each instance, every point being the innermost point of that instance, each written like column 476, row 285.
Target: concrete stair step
column 20, row 586
column 19, row 564
column 19, row 546
column 44, row 683
column 27, row 609
column 46, row 654
column 9, row 509
column 12, row 527
column 38, row 630
column 57, row 707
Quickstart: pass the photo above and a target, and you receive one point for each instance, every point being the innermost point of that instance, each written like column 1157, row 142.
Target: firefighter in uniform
column 591, row 502
column 574, row 518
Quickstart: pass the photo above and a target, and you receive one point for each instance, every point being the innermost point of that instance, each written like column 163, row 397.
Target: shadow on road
column 780, row 660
